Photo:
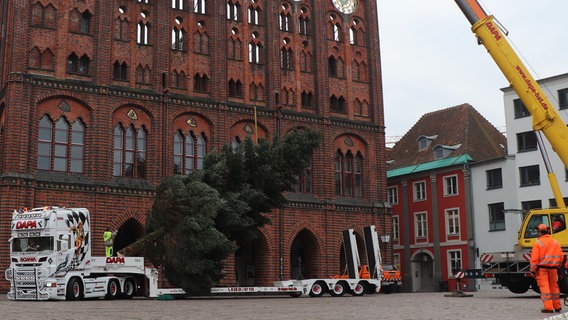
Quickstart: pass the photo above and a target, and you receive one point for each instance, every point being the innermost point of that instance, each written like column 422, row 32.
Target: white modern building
column 504, row 189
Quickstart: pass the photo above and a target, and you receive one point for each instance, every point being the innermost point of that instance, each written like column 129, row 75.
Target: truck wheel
column 563, row 284
column 113, row 289
column 129, row 288
column 317, row 290
column 339, row 289
column 518, row 285
column 74, row 290
column 359, row 289
column 387, row 289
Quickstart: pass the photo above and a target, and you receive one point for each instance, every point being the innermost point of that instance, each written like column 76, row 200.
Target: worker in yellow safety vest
column 107, row 238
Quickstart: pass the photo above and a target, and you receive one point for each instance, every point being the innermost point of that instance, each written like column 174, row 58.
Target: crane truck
column 511, row 269
column 50, row 258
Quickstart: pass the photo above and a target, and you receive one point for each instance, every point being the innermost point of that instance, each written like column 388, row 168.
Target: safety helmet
column 542, row 227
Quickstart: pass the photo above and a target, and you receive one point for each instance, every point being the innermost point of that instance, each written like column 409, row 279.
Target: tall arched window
column 61, row 147
column 189, row 152
column 143, row 30
column 348, row 174
column 338, row 170
column 129, row 152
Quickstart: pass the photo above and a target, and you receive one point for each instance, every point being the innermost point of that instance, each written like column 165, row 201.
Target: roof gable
column 453, row 132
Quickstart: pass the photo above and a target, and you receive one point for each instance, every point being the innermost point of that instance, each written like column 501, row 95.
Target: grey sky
column 431, row 60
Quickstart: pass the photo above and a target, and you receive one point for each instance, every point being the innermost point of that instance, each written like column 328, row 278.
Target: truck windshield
column 32, row 244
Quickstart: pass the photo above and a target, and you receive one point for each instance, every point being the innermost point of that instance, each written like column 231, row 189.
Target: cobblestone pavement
column 412, row 306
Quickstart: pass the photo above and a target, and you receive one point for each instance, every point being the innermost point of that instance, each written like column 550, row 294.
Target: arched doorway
column 422, row 268
column 304, row 253
column 251, row 267
column 128, row 233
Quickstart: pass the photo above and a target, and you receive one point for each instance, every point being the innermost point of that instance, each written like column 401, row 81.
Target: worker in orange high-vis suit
column 546, row 258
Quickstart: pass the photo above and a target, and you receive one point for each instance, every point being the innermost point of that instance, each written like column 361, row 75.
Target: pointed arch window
column 45, row 17
column 233, row 11
column 143, row 30
column 199, row 6
column 336, row 32
column 189, row 151
column 177, row 4
column 235, row 88
column 178, row 39
column 120, row 71
column 284, row 22
column 254, row 52
column 303, row 25
column 286, row 56
column 254, row 16
column 129, row 152
column 200, row 83
column 305, row 179
column 348, row 174
column 61, row 147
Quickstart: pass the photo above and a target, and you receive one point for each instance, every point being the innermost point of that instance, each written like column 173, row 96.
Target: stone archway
column 422, row 269
column 251, row 268
column 128, row 233
column 304, row 254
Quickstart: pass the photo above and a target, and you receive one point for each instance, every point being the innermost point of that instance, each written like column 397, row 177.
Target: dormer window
column 441, row 151
column 425, row 141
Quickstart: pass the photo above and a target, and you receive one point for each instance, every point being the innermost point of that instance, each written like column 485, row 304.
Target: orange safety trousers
column 547, row 280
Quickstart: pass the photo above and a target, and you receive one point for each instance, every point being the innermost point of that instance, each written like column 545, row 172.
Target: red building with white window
column 99, row 100
column 429, row 189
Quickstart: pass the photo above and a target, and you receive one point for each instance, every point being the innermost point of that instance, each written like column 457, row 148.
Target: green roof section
column 442, row 163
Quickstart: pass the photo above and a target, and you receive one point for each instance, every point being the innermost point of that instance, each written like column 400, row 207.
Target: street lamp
column 385, row 238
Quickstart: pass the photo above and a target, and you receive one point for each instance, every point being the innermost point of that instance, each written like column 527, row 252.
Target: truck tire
column 359, row 289
column 387, row 289
column 74, row 290
column 339, row 289
column 113, row 289
column 518, row 285
column 129, row 289
column 317, row 289
column 563, row 284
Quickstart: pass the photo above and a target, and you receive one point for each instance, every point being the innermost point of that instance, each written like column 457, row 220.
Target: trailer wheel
column 339, row 289
column 113, row 289
column 359, row 289
column 74, row 290
column 317, row 289
column 516, row 285
column 387, row 289
column 129, row 289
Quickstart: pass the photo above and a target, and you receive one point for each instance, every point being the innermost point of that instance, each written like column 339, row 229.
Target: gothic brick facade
column 99, row 100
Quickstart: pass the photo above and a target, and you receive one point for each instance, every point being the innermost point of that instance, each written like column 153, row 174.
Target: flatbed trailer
column 336, row 287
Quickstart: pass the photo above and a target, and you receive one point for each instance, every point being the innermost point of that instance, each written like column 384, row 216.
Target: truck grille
column 27, row 283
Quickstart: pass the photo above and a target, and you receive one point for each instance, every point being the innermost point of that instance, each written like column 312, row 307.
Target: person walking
column 107, row 238
column 546, row 258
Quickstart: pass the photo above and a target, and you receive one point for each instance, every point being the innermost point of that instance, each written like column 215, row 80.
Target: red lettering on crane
column 493, row 30
column 29, row 224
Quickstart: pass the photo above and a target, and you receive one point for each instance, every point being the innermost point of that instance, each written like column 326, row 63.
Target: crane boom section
column 544, row 116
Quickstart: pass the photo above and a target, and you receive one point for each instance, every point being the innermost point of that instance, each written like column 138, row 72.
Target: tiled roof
column 460, row 127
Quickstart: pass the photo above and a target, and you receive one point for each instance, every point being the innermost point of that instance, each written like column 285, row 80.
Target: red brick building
column 429, row 188
column 99, row 100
